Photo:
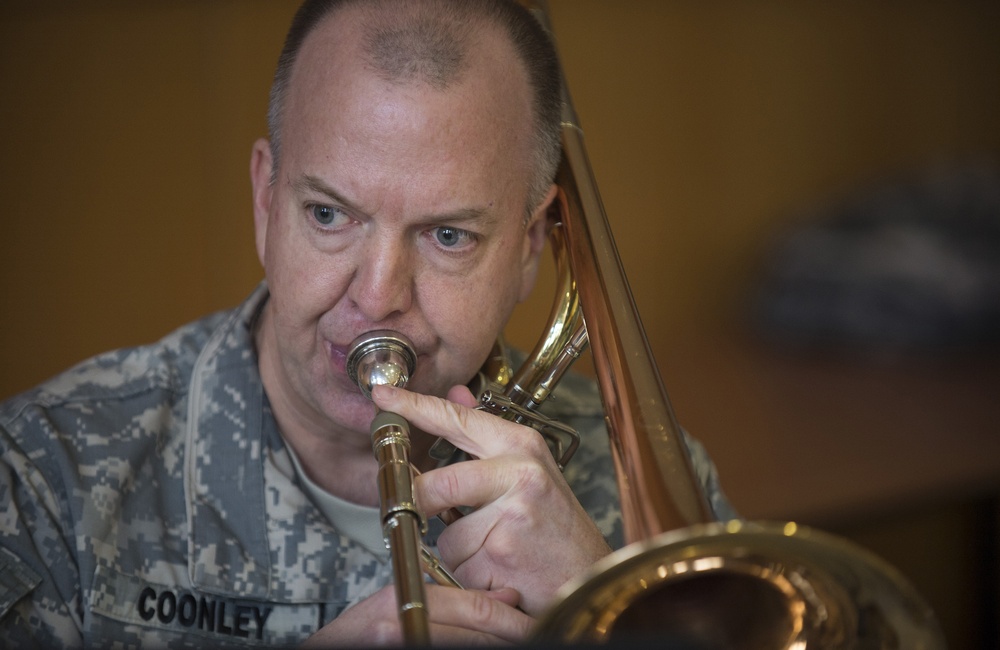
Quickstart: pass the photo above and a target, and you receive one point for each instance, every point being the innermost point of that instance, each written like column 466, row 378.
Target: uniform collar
column 227, row 542
column 244, row 503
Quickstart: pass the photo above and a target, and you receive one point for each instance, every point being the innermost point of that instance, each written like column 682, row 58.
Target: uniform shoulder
column 119, row 373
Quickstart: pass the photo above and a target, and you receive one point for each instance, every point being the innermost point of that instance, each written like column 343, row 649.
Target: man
column 218, row 487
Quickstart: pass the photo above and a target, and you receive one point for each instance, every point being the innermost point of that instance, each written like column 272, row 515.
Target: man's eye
column 451, row 237
column 326, row 215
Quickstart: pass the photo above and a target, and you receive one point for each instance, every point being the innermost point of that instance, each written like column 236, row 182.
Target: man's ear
column 536, row 234
column 261, row 165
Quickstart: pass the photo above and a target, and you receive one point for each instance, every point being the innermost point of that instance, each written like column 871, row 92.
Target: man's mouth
column 338, row 357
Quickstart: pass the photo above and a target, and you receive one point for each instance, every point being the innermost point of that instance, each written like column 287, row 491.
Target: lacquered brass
column 386, row 357
column 686, row 576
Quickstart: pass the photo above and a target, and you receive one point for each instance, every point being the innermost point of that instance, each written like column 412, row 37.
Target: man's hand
column 528, row 531
column 458, row 617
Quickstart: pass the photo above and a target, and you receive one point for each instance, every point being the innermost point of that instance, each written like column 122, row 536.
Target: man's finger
column 477, row 433
column 471, row 609
column 476, row 483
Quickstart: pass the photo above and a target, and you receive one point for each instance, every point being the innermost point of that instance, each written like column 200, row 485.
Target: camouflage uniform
column 147, row 498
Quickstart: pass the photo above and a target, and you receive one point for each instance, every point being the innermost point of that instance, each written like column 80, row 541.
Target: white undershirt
column 359, row 523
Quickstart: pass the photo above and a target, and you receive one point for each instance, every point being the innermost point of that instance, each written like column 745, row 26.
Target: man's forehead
column 408, row 42
column 336, row 63
column 338, row 110
column 335, row 40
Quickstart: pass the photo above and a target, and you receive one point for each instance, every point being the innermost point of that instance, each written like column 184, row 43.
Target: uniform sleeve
column 704, row 470
column 591, row 472
column 592, row 476
column 39, row 580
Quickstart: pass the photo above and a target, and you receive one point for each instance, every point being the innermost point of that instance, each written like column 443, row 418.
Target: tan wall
column 126, row 208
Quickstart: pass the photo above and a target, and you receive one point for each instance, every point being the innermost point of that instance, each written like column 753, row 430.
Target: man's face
column 396, row 206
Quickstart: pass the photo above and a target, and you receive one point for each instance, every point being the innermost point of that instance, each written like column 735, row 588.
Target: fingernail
column 385, row 392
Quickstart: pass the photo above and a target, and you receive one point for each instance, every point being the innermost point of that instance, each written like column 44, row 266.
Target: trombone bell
column 743, row 586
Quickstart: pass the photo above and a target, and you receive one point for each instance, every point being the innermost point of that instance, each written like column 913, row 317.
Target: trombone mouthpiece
column 380, row 357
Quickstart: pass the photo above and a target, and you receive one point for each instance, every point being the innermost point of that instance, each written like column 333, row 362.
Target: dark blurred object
column 910, row 264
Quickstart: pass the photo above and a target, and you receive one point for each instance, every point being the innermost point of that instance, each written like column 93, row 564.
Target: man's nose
column 383, row 281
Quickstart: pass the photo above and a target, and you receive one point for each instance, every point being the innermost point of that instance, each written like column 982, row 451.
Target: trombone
column 684, row 575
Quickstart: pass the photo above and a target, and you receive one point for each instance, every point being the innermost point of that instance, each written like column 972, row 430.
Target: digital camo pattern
column 147, row 499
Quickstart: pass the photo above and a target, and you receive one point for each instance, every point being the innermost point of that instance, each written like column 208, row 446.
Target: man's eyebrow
column 481, row 215
column 310, row 183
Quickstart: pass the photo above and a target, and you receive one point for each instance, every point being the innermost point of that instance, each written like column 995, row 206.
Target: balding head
column 432, row 42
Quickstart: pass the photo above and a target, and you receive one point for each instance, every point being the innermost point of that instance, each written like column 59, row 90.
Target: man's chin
column 353, row 414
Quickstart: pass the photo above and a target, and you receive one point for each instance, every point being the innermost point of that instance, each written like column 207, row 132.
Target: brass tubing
column 685, row 576
column 658, row 488
column 387, row 357
column 402, row 524
column 657, row 484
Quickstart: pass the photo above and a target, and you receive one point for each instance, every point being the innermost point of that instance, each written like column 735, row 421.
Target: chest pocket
column 132, row 610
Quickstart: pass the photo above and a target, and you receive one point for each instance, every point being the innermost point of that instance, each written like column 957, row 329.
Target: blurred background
column 805, row 197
